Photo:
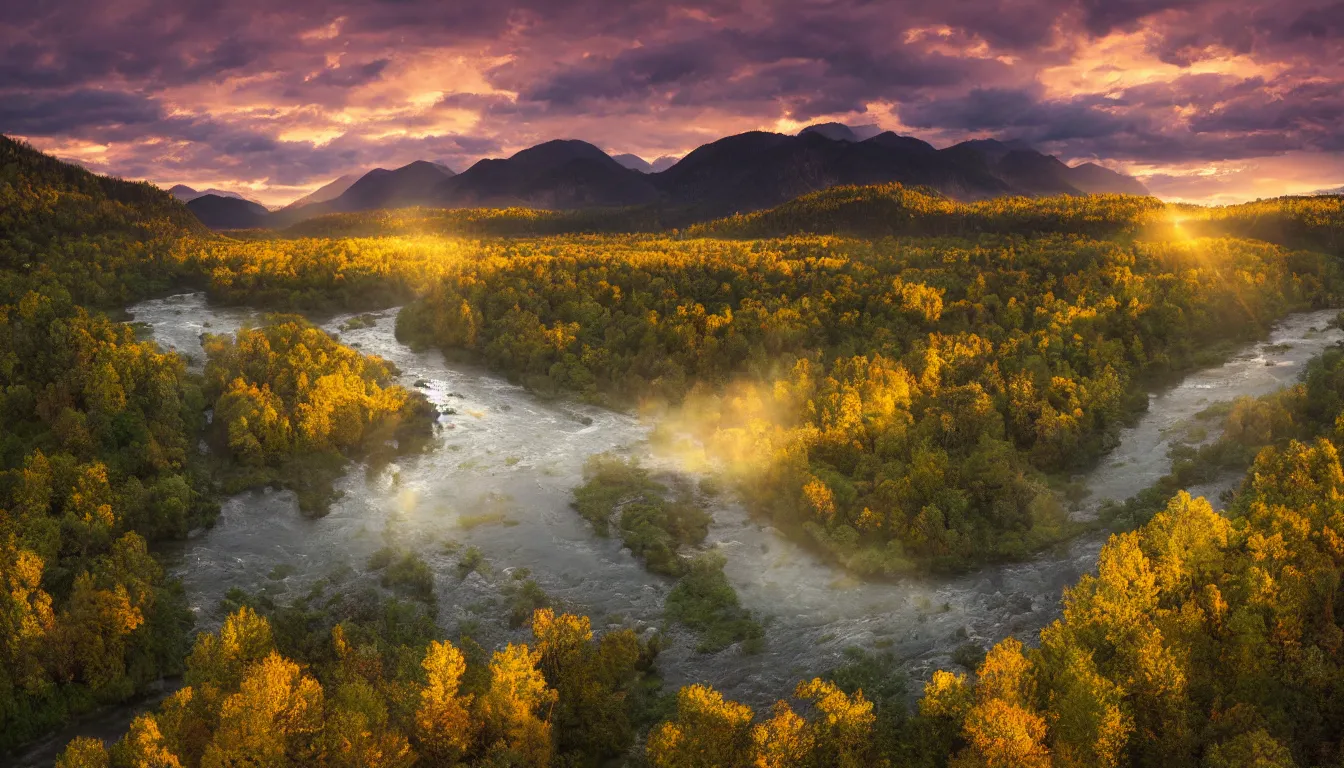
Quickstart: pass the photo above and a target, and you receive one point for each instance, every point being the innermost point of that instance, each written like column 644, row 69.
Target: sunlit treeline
column 472, row 222
column 894, row 401
column 381, row 692
column 893, row 210
column 1297, row 222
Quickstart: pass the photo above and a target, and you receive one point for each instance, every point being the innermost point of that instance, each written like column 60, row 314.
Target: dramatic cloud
column 1207, row 99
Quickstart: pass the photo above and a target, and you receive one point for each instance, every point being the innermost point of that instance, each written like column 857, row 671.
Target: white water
column 508, row 452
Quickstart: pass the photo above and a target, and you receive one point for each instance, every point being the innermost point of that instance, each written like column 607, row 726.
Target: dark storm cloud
column 291, row 93
column 1319, row 23
column 638, row 72
column 349, row 76
column 823, row 63
column 1021, row 114
column 1104, row 16
column 75, row 111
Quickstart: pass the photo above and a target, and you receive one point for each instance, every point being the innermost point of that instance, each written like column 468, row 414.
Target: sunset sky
column 1209, row 101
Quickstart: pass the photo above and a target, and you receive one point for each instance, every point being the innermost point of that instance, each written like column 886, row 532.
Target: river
column 499, row 476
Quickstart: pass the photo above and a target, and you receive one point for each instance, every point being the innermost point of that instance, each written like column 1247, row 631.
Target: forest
column 902, row 404
column 290, row 402
column 898, row 381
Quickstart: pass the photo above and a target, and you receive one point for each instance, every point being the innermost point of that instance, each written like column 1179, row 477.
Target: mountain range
column 187, row 194
column 736, row 174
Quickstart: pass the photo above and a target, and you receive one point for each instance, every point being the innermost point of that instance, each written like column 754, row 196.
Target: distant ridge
column 736, row 174
column 842, row 132
column 633, row 162
column 187, row 194
column 1095, row 180
column 559, row 174
column 330, row 191
column 410, row 185
column 219, row 212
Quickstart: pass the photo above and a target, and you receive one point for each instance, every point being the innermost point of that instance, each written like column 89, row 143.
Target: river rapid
column 499, row 477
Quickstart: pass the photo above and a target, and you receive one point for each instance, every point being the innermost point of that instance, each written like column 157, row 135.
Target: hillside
column 893, row 210
column 218, row 212
column 328, row 191
column 43, row 195
column 101, row 238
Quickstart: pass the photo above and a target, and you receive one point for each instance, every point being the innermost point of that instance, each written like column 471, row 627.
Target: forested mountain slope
column 103, row 239
column 97, row 438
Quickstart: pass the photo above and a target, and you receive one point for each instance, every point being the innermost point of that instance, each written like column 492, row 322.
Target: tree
column 708, row 731
column 357, row 732
column 144, row 746
column 515, row 709
column 1256, row 749
column 274, row 719
column 782, row 741
column 842, row 730
column 1086, row 715
column 84, row 752
column 444, row 728
column 1002, row 727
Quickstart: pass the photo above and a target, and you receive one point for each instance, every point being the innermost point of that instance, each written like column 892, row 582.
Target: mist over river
column 499, row 475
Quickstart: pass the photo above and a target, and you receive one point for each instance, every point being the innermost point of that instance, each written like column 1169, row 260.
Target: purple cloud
column 282, row 97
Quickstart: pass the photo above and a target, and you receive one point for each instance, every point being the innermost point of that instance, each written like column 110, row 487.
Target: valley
column 912, row 424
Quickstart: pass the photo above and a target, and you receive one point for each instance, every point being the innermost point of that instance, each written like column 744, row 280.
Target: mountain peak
column 894, row 140
column 1096, row 179
column 557, row 152
column 186, row 194
column 842, row 132
column 993, row 150
column 226, row 212
column 664, row 162
column 563, row 173
column 329, row 191
column 633, row 162
column 425, row 166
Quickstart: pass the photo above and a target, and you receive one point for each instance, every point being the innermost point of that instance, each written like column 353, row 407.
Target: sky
column 1205, row 100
